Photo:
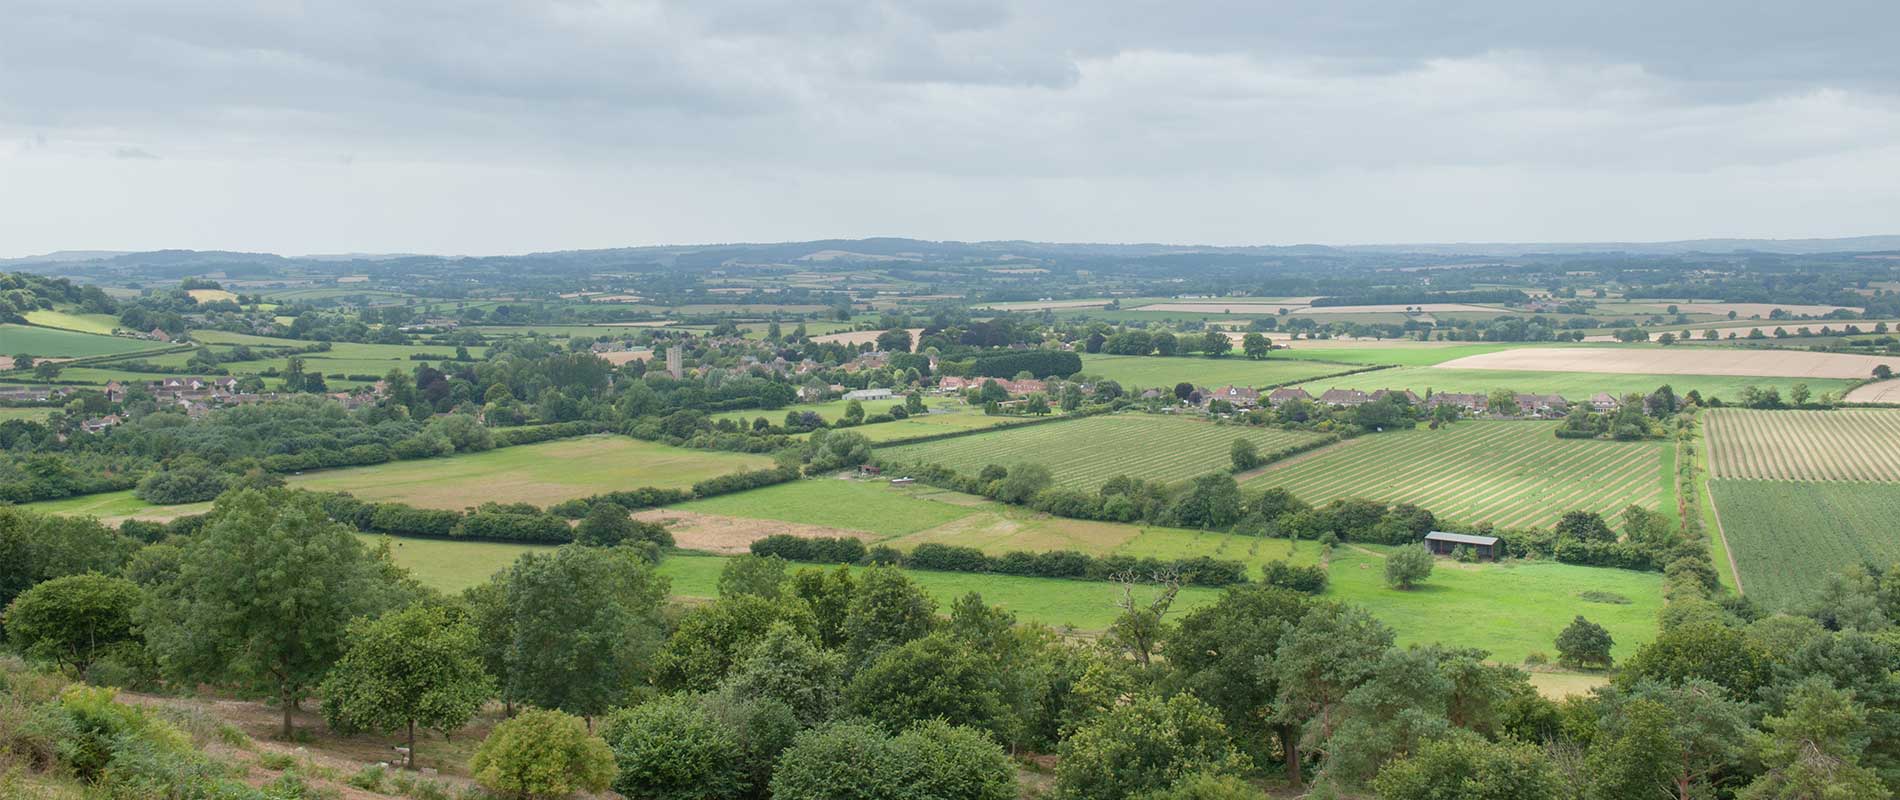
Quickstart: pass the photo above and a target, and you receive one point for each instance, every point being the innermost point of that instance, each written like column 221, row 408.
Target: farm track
column 1511, row 474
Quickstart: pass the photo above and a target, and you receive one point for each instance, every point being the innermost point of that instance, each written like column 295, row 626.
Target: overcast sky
column 499, row 126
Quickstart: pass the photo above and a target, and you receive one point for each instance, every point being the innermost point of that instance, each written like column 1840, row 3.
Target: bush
column 671, row 749
column 1309, row 579
column 1408, row 566
column 543, row 753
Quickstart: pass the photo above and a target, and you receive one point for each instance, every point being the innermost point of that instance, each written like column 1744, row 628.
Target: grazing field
column 84, row 323
column 1165, row 371
column 30, row 414
column 1373, row 351
column 113, row 507
column 1846, row 445
column 1525, row 604
column 1087, row 452
column 1511, row 474
column 1676, row 361
column 873, row 507
column 542, row 474
column 1788, row 536
column 43, row 342
column 1574, row 385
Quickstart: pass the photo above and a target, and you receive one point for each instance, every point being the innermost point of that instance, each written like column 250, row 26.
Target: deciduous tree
column 418, row 666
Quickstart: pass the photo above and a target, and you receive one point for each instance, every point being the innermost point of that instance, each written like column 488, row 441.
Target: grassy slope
column 56, row 343
column 1573, row 385
column 542, row 473
column 1157, row 371
column 854, row 505
column 84, row 323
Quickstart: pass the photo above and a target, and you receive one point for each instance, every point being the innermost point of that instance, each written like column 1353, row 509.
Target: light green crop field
column 115, row 506
column 1843, row 445
column 1573, row 385
column 1509, row 473
column 1150, row 372
column 56, row 343
column 1788, row 536
column 542, row 474
column 869, row 506
column 72, row 321
column 1511, row 609
column 1085, row 453
column 1398, row 353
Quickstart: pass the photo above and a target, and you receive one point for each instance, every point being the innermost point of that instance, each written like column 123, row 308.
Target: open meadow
column 60, row 343
column 1085, row 453
column 1508, row 473
column 73, row 321
column 1844, row 445
column 1787, row 536
column 543, row 474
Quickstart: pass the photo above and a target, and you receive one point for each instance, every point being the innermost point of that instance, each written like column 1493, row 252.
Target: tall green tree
column 1332, row 650
column 73, row 619
column 586, row 624
column 1656, row 739
column 1221, row 654
column 420, row 665
column 886, row 610
column 264, row 597
column 1142, row 747
column 1256, row 346
column 1407, row 566
column 1814, row 748
column 1464, row 766
column 1584, row 644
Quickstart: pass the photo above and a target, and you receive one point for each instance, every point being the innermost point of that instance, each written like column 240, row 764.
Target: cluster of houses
column 196, row 397
column 1016, row 388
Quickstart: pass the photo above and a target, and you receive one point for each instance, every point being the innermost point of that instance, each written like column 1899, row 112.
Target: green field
column 1086, row 452
column 55, row 343
column 116, row 506
column 960, row 417
column 542, row 474
column 1522, row 605
column 84, row 323
column 1788, row 536
column 30, row 414
column 1841, row 445
column 869, row 506
column 1157, row 371
column 1509, row 473
column 1400, row 353
column 1576, row 386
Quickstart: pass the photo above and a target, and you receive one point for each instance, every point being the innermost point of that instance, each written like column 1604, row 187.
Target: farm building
column 1442, row 543
column 868, row 394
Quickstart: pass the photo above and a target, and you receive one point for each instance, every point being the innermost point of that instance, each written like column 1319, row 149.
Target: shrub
column 543, row 753
column 1407, row 567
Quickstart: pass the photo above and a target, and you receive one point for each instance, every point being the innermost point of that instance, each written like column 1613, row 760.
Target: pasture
column 212, row 295
column 1164, row 372
column 58, row 343
column 542, row 474
column 1085, row 453
column 38, row 414
column 1508, row 473
column 84, row 323
column 1395, row 352
column 1845, row 445
column 1576, row 386
column 1528, row 602
column 1787, row 536
column 113, row 507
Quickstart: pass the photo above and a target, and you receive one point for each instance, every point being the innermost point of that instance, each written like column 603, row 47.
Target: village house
column 1344, row 398
column 1407, row 393
column 1282, row 396
column 1602, row 402
column 1543, row 405
column 1240, row 396
column 100, row 424
column 1468, row 403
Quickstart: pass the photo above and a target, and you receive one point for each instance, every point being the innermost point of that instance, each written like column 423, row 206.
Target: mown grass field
column 29, row 414
column 1844, row 445
column 1512, row 610
column 1085, row 453
column 1398, row 353
column 72, row 321
column 542, row 474
column 1577, row 386
column 1509, row 473
column 56, row 343
column 115, row 506
column 1788, row 536
column 1151, row 372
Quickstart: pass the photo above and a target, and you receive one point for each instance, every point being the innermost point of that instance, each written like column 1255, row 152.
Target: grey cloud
column 134, row 154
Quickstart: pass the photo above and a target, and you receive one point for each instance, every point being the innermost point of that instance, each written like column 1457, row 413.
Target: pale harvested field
column 1880, row 392
column 1693, row 333
column 1752, row 309
column 653, row 323
column 1850, row 445
column 1248, row 306
column 1683, row 361
column 619, row 357
column 855, row 338
column 724, row 535
column 1397, row 309
column 1051, row 305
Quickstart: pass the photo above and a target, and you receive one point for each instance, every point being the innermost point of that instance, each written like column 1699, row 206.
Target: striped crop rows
column 1085, row 453
column 1848, row 445
column 1511, row 474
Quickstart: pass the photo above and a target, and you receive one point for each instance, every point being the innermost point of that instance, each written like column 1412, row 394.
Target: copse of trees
column 935, row 556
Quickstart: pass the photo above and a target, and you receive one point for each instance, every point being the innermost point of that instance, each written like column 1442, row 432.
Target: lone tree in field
column 606, row 525
column 1407, row 567
column 1245, row 455
column 1584, row 644
column 264, row 595
column 1883, row 371
column 1256, row 346
column 414, row 666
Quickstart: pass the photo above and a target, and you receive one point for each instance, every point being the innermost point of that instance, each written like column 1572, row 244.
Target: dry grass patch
column 1665, row 361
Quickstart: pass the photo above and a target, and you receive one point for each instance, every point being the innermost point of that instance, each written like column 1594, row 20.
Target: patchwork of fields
column 1508, row 473
column 1085, row 453
column 1787, row 536
column 1846, row 445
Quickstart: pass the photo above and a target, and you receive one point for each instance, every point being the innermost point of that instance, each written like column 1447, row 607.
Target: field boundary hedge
column 938, row 557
